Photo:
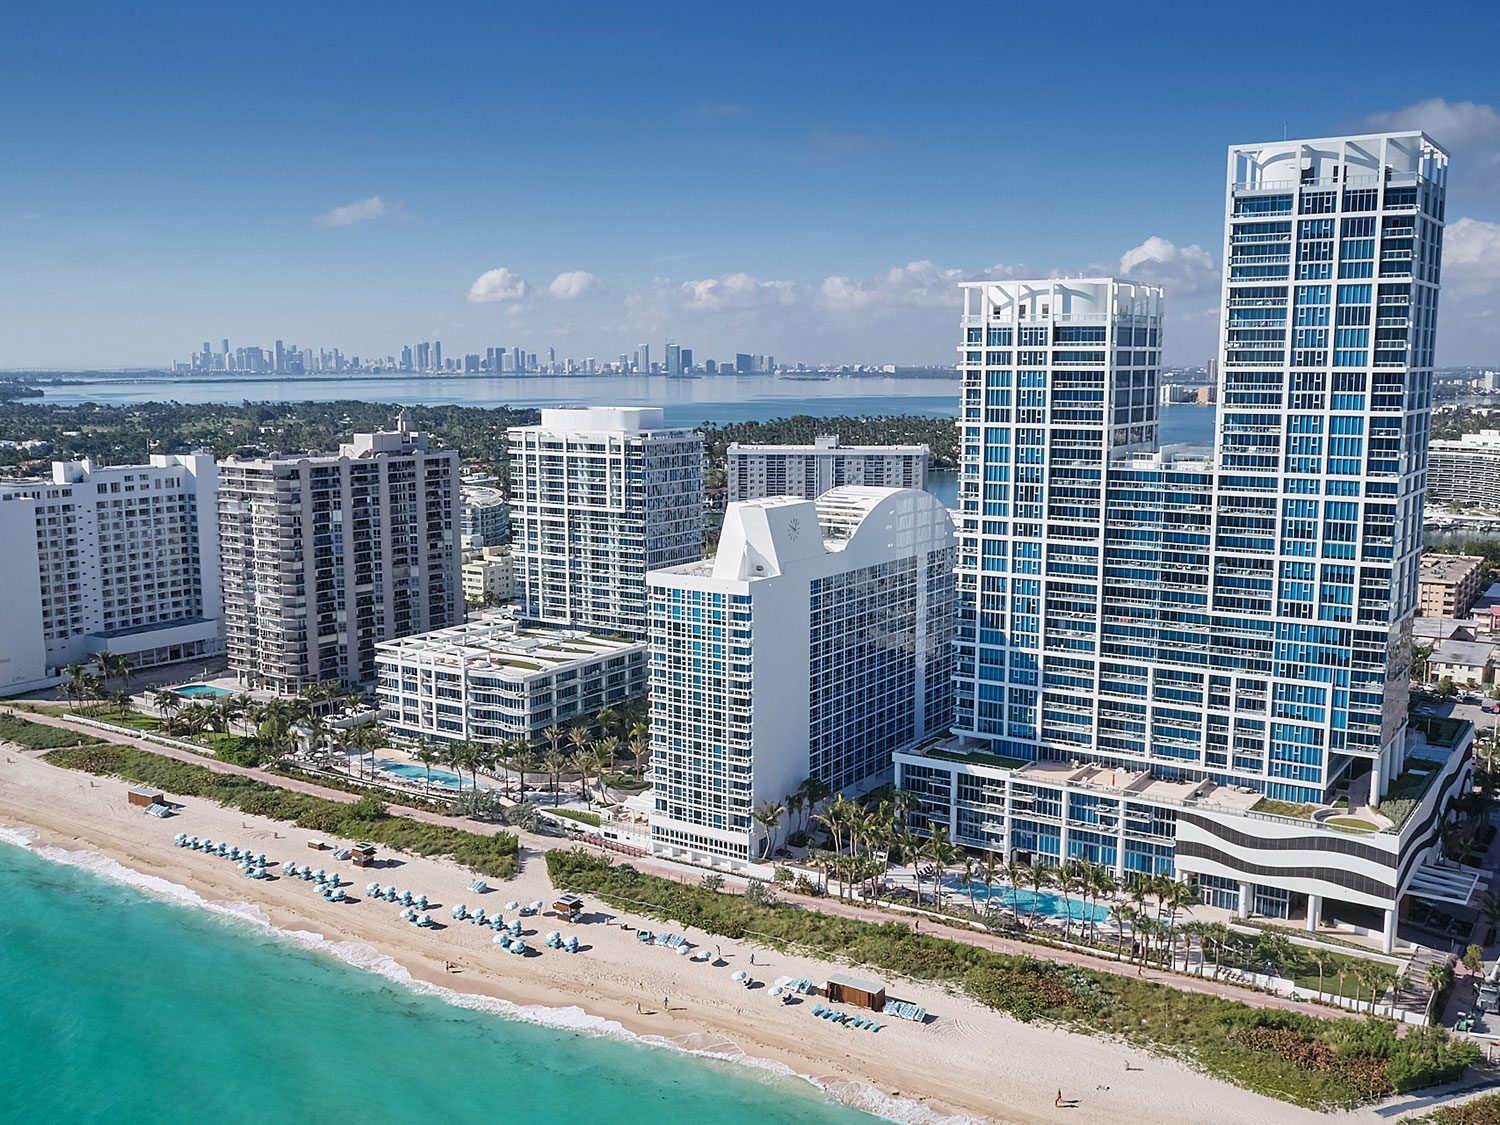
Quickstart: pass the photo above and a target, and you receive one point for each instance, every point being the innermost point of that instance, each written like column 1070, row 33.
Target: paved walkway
column 685, row 874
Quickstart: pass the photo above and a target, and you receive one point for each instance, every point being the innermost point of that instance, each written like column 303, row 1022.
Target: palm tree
column 1039, row 876
column 554, row 763
column 554, row 736
column 454, row 758
column 167, row 704
column 1365, row 974
column 74, row 686
column 428, row 757
column 1322, row 958
column 944, row 855
column 1119, row 914
column 1218, row 933
column 989, row 873
column 814, row 791
column 523, row 763
column 1437, row 980
column 768, row 816
column 836, row 817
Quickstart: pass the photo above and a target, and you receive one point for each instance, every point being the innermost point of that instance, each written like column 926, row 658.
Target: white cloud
column 574, row 283
column 735, row 292
column 1469, row 126
column 1471, row 257
column 1183, row 271
column 915, row 284
column 498, row 285
column 360, row 211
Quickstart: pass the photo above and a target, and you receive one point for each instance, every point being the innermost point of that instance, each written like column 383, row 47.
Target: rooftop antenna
column 1283, row 130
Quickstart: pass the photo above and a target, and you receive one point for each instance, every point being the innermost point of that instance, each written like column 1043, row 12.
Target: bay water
column 126, row 1007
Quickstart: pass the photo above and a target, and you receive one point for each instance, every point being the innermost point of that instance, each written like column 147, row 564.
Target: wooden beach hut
column 844, row 989
column 362, row 855
column 144, row 796
column 568, row 906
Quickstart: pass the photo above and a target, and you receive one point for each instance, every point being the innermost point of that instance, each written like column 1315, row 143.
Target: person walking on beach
column 1057, row 1101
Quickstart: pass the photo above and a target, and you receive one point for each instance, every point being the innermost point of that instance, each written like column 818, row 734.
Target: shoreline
column 970, row 1064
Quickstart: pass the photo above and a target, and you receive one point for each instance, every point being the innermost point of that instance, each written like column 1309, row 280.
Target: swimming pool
column 447, row 779
column 203, row 689
column 1048, row 905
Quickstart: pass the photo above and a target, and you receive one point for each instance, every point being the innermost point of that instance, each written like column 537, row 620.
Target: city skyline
column 793, row 196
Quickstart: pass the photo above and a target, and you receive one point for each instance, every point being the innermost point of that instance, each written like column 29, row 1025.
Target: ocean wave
column 857, row 1095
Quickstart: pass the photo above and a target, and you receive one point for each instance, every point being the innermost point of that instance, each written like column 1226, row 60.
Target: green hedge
column 39, row 736
column 1312, row 1061
column 366, row 819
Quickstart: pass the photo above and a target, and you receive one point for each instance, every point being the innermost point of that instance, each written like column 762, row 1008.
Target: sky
column 808, row 180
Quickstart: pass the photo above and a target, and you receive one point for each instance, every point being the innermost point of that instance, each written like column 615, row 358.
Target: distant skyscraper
column 674, row 360
column 598, row 497
column 643, row 359
column 687, row 359
column 437, row 355
column 551, row 355
column 744, row 363
column 280, row 360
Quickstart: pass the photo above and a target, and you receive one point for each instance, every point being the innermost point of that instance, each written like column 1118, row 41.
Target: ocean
column 124, row 1006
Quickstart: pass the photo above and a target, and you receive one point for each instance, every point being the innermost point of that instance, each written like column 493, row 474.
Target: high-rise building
column 424, row 356
column 744, row 363
column 437, row 355
column 1465, row 471
column 325, row 556
column 815, row 644
column 643, row 359
column 599, row 496
column 124, row 559
column 406, row 358
column 1183, row 663
column 686, row 359
column 811, row 470
column 484, row 518
column 674, row 360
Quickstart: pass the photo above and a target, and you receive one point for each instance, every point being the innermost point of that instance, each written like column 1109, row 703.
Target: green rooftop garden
column 1283, row 808
column 1440, row 730
column 977, row 758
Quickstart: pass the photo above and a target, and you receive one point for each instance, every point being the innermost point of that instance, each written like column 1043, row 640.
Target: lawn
column 1283, row 808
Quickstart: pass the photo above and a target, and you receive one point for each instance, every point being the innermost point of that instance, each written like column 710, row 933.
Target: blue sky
column 802, row 179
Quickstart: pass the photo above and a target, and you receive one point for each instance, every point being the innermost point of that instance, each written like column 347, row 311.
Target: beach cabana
column 144, row 796
column 568, row 906
column 362, row 855
column 844, row 989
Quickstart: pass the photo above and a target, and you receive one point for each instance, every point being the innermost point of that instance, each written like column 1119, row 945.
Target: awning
column 1444, row 883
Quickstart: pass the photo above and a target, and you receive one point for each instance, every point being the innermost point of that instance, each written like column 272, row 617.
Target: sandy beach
column 968, row 1062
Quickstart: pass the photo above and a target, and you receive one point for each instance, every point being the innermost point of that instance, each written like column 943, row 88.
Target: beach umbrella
column 739, row 975
column 513, row 906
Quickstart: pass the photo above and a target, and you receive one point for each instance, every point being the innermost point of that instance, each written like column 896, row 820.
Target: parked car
column 1489, row 997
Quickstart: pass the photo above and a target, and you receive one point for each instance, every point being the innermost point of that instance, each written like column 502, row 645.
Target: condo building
column 493, row 681
column 599, row 496
column 124, row 559
column 1466, row 471
column 809, row 471
column 1449, row 585
column 327, row 555
column 484, row 518
column 1177, row 662
column 815, row 644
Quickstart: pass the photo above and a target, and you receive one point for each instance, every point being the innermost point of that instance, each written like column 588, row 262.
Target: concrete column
column 1314, row 911
column 1388, row 938
column 1245, row 897
column 1120, row 847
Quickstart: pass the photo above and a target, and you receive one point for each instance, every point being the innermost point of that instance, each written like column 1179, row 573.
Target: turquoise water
column 123, row 1008
column 203, row 689
column 441, row 777
column 1048, row 905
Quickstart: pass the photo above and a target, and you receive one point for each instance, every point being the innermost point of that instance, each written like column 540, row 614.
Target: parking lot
column 1484, row 724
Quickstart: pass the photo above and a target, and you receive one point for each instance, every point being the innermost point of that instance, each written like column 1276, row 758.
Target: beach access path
column 684, row 873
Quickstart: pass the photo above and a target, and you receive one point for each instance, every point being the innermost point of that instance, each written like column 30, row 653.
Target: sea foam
column 858, row 1095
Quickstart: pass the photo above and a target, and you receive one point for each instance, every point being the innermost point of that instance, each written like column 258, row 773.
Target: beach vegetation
column 1313, row 1061
column 365, row 819
column 1483, row 1110
column 39, row 736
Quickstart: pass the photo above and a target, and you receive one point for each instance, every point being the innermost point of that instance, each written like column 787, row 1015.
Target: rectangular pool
column 203, row 689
